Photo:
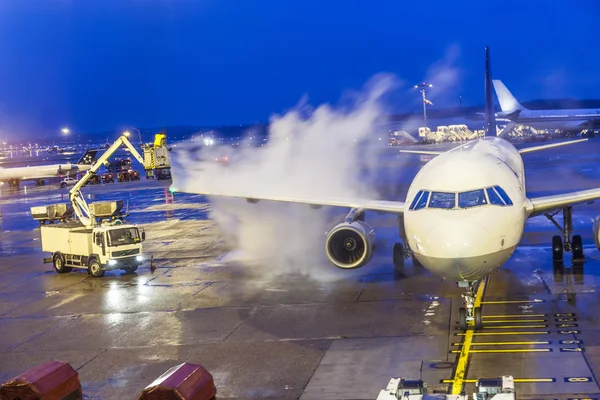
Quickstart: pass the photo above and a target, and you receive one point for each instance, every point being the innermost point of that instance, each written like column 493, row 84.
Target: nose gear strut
column 469, row 314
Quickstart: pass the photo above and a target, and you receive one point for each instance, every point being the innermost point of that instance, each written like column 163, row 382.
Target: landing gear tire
column 95, row 270
column 557, row 248
column 577, row 246
column 478, row 319
column 462, row 319
column 398, row 255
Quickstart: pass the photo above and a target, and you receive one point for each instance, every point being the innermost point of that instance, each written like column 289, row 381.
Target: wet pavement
column 288, row 336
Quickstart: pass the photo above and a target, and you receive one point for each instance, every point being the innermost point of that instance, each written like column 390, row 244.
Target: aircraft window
column 494, row 197
column 422, row 201
column 416, row 199
column 442, row 200
column 504, row 196
column 471, row 199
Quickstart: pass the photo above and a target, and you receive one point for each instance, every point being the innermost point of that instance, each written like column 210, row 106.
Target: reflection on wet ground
column 265, row 334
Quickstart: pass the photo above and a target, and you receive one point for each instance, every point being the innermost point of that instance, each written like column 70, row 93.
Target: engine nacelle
column 597, row 232
column 349, row 245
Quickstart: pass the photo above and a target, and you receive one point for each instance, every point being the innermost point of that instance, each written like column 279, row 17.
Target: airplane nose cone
column 456, row 250
column 456, row 239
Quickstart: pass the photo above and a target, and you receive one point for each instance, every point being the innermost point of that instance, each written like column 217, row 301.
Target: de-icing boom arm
column 80, row 207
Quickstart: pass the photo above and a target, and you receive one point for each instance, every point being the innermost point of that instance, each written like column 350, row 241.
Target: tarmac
column 290, row 336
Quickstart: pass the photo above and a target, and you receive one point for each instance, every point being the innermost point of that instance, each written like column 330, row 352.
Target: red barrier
column 54, row 380
column 182, row 382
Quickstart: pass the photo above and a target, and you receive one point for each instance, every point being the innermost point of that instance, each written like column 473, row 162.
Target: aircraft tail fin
column 508, row 102
column 88, row 158
column 490, row 114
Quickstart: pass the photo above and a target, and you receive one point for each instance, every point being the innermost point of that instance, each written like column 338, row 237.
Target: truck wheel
column 131, row 270
column 63, row 185
column 59, row 264
column 95, row 270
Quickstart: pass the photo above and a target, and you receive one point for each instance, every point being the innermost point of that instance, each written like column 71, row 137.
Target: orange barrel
column 182, row 382
column 54, row 380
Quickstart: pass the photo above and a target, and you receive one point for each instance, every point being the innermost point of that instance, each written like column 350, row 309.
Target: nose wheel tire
column 463, row 319
column 557, row 248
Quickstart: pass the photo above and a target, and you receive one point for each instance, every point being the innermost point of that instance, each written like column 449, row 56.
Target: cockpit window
column 416, row 199
column 442, row 200
column 471, row 199
column 504, row 196
column 494, row 197
column 422, row 201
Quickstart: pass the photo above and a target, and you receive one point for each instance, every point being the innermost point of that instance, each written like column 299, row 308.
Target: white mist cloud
column 323, row 152
column 446, row 76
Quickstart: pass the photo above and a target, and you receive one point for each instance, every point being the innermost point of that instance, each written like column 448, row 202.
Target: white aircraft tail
column 508, row 103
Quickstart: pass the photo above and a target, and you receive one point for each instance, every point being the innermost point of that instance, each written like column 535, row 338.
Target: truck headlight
column 112, row 262
column 139, row 258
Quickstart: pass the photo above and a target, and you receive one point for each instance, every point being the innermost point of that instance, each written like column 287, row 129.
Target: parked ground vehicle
column 68, row 181
column 108, row 177
column 97, row 240
column 123, row 176
column 96, row 249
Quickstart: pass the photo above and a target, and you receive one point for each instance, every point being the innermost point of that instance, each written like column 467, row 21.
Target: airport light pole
column 423, row 86
column 139, row 134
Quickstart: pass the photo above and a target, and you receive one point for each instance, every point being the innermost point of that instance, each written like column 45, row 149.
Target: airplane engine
column 597, row 232
column 349, row 245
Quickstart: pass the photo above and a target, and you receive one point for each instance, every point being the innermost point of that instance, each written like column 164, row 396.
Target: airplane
column 41, row 172
column 567, row 119
column 461, row 227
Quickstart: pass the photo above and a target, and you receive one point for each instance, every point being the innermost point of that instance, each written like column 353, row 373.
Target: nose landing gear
column 469, row 313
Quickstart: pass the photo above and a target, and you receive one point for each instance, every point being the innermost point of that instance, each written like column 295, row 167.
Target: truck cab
column 117, row 247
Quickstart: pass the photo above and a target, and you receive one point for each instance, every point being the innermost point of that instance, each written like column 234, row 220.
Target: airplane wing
column 540, row 205
column 549, row 146
column 392, row 207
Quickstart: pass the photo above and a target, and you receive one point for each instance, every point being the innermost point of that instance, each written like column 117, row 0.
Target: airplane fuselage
column 465, row 229
column 552, row 119
column 41, row 172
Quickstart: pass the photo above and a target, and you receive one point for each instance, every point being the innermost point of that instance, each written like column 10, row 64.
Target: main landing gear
column 469, row 313
column 402, row 250
column 567, row 242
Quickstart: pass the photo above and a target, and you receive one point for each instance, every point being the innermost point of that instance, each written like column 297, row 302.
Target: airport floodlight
column 126, row 133
column 65, row 131
column 422, row 88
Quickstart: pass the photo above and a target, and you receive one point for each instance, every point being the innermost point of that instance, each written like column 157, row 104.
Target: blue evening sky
column 102, row 64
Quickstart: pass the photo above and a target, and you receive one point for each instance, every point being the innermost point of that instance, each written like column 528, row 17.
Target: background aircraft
column 544, row 119
column 13, row 176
